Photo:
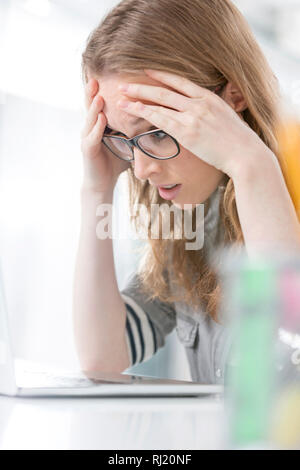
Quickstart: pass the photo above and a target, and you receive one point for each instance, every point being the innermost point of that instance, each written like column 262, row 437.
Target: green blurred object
column 251, row 380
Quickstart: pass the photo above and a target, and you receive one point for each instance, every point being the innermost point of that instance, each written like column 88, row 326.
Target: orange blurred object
column 288, row 136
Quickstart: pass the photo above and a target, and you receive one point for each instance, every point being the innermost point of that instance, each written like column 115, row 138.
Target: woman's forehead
column 132, row 78
column 118, row 118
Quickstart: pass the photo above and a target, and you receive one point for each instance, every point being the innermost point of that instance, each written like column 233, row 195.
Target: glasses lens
column 158, row 144
column 118, row 147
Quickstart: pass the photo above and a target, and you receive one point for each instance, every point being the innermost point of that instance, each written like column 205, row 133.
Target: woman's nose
column 145, row 166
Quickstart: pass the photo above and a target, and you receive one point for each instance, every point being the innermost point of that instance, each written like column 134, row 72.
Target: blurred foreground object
column 262, row 303
column 286, row 417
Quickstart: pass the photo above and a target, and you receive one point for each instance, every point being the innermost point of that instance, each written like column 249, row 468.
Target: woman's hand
column 200, row 120
column 101, row 167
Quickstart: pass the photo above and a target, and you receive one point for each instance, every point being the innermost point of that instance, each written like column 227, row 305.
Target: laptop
column 18, row 381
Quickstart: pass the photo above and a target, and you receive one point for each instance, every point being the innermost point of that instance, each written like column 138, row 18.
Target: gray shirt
column 206, row 342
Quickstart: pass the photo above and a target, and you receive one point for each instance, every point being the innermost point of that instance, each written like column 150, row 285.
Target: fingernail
column 123, row 104
column 123, row 87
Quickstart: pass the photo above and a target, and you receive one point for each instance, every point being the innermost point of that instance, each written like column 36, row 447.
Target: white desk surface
column 111, row 424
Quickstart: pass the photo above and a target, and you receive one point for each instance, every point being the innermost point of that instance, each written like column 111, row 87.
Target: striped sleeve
column 147, row 322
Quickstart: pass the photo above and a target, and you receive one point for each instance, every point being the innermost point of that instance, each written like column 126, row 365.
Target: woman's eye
column 160, row 135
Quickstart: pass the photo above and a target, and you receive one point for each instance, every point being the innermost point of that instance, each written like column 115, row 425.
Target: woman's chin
column 181, row 205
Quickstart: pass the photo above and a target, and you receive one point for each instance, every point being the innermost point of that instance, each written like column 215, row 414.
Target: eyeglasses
column 156, row 143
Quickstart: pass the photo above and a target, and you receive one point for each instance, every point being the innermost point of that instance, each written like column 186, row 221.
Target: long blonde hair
column 209, row 42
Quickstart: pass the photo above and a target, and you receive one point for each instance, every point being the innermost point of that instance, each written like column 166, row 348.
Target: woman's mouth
column 169, row 193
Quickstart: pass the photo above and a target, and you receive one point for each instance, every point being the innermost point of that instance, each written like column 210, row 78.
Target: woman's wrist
column 265, row 208
column 253, row 165
column 91, row 202
column 87, row 192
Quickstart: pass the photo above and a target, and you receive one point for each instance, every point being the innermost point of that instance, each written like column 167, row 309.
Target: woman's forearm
column 98, row 309
column 266, row 212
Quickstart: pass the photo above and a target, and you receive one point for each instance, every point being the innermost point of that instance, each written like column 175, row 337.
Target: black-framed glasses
column 156, row 144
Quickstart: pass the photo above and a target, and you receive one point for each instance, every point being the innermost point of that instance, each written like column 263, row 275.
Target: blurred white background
column 41, row 116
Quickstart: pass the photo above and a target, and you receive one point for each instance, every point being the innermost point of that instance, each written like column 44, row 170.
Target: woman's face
column 198, row 180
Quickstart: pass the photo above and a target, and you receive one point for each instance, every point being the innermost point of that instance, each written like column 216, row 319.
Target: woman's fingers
column 92, row 115
column 91, row 89
column 96, row 106
column 94, row 137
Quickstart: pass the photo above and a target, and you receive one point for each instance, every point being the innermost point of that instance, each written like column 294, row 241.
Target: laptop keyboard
column 49, row 380
column 41, row 379
column 32, row 376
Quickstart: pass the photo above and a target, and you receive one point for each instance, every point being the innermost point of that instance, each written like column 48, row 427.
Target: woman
column 212, row 91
